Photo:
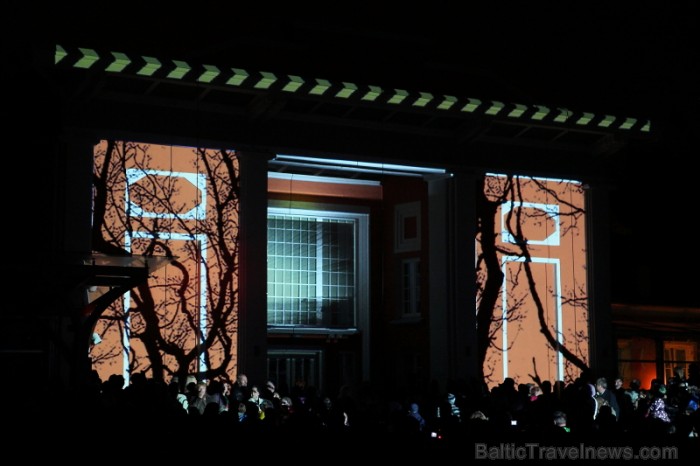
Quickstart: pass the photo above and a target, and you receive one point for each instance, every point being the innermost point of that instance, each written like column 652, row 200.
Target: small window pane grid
column 411, row 287
column 678, row 354
column 311, row 271
column 291, row 368
column 643, row 360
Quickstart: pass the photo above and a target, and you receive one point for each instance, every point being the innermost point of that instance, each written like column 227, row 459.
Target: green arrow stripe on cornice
column 518, row 111
column 606, row 121
column 472, row 105
column 424, row 99
column 180, row 70
column 540, row 112
column 239, row 76
column 495, row 107
column 398, row 97
column 121, row 63
column 60, row 54
column 152, row 65
column 628, row 123
column 585, row 118
column 267, row 80
column 372, row 94
column 321, row 87
column 209, row 74
column 88, row 59
column 447, row 102
column 563, row 115
column 347, row 90
column 295, row 82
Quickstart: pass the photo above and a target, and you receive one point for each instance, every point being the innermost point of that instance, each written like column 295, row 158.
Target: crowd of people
column 590, row 409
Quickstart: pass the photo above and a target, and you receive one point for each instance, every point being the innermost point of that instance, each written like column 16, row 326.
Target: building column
column 438, row 265
column 76, row 188
column 463, row 275
column 603, row 354
column 252, row 266
column 73, row 201
column 451, row 275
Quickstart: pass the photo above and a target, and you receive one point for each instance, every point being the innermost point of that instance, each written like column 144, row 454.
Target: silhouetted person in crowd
column 559, row 430
column 416, row 421
column 619, row 391
column 200, row 399
column 659, row 420
column 584, row 408
column 239, row 390
column 479, row 427
column 269, row 391
column 677, row 385
column 606, row 397
column 694, row 374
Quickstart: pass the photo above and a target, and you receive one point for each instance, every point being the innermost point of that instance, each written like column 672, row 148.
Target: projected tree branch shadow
column 531, row 274
column 182, row 203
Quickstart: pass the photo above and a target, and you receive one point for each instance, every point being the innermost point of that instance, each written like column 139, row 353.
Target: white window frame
column 413, row 289
column 361, row 304
column 401, row 213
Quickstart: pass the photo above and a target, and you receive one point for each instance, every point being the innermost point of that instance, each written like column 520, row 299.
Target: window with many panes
column 313, row 260
column 410, row 271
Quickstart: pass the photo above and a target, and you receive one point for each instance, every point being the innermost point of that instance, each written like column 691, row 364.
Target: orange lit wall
column 178, row 201
column 294, row 187
column 541, row 249
column 637, row 360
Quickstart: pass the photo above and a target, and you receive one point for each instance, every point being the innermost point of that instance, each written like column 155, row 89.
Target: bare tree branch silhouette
column 164, row 315
column 493, row 194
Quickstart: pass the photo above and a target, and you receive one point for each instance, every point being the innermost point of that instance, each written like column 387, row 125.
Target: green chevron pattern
column 373, row 93
column 176, row 70
column 321, row 87
column 423, row 99
column 495, row 108
column 180, row 70
column 267, row 80
column 152, row 65
column 120, row 62
column 585, row 119
column 447, row 103
column 238, row 77
column 59, row 55
column 89, row 57
column 471, row 105
column 398, row 97
column 347, row 91
column 562, row 116
column 540, row 113
column 209, row 74
column 295, row 82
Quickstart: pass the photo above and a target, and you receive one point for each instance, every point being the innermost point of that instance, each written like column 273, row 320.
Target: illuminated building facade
column 331, row 231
